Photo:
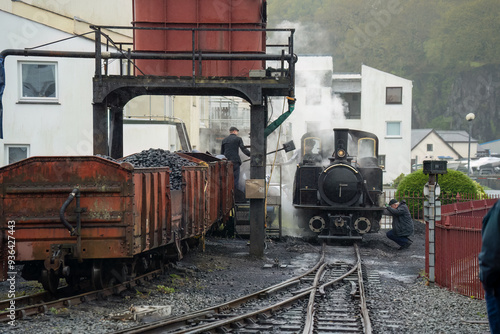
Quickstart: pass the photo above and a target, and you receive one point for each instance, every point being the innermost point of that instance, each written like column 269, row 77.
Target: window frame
column 430, row 147
column 387, row 135
column 38, row 99
column 7, row 148
column 352, row 103
column 381, row 161
column 394, row 95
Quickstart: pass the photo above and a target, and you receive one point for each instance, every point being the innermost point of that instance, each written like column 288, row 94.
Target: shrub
column 451, row 184
column 398, row 180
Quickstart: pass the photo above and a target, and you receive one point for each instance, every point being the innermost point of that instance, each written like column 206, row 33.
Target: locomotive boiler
column 338, row 184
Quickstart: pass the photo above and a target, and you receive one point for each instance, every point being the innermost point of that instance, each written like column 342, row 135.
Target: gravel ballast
column 400, row 302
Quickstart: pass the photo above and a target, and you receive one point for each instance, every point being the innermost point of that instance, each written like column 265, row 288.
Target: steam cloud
column 317, row 107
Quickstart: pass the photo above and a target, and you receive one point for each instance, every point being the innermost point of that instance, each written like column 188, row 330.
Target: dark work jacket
column 402, row 223
column 489, row 258
column 230, row 146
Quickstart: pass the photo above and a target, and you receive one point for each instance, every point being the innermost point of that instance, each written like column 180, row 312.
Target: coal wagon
column 89, row 217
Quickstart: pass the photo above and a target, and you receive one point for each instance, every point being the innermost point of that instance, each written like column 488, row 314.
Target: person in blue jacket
column 489, row 265
column 402, row 223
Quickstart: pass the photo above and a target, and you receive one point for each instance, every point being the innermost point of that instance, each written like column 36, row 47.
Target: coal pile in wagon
column 161, row 158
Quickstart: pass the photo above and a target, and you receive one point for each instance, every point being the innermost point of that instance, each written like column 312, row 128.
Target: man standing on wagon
column 230, row 148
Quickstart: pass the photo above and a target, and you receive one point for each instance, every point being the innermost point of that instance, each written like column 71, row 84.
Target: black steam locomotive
column 339, row 195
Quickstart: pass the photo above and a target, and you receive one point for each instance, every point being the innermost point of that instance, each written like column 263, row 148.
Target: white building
column 492, row 146
column 59, row 122
column 55, row 117
column 427, row 144
column 372, row 101
column 459, row 140
column 385, row 109
column 47, row 101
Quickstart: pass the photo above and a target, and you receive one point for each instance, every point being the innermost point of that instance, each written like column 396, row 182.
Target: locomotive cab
column 339, row 196
column 311, row 150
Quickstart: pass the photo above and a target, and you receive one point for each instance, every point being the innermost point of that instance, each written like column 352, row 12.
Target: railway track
column 329, row 298
column 44, row 301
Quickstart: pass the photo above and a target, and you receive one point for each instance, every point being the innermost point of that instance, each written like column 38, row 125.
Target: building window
column 394, row 95
column 15, row 153
column 430, row 148
column 38, row 81
column 393, row 129
column 352, row 102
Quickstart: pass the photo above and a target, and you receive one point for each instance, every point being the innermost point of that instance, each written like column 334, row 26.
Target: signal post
column 432, row 208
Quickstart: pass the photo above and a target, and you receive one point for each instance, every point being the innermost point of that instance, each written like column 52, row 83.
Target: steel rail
column 27, row 299
column 22, row 313
column 364, row 310
column 221, row 323
column 178, row 321
column 309, row 323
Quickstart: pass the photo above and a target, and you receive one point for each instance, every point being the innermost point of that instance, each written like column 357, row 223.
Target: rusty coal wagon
column 89, row 217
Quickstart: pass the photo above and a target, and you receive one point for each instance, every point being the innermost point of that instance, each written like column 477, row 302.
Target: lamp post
column 469, row 117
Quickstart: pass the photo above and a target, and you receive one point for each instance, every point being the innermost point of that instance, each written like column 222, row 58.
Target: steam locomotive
column 339, row 195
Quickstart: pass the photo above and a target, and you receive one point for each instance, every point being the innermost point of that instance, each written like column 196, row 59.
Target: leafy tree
column 427, row 41
column 467, row 35
column 397, row 180
column 441, row 122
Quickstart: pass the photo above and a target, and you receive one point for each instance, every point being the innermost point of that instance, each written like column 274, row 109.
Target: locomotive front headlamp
column 340, row 153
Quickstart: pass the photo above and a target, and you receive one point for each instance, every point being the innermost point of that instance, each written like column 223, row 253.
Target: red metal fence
column 458, row 243
column 457, row 238
column 415, row 201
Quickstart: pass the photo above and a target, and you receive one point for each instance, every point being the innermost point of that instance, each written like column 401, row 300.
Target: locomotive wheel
column 50, row 280
column 317, row 224
column 362, row 225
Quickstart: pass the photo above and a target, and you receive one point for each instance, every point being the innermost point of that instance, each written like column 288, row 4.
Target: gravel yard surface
column 400, row 303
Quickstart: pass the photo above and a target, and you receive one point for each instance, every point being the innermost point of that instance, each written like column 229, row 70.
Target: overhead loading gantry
column 111, row 92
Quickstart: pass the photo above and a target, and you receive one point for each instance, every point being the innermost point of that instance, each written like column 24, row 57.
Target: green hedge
column 451, row 184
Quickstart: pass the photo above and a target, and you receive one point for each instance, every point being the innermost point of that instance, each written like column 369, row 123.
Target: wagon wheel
column 118, row 274
column 157, row 262
column 97, row 275
column 50, row 280
column 73, row 281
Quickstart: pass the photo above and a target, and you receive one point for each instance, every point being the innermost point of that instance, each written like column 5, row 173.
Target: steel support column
column 116, row 131
column 258, row 116
column 100, row 121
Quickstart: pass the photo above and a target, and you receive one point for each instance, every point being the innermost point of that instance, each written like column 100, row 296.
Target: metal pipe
column 469, row 117
column 46, row 53
column 291, row 30
column 142, row 55
column 468, row 155
column 78, row 250
column 70, row 228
